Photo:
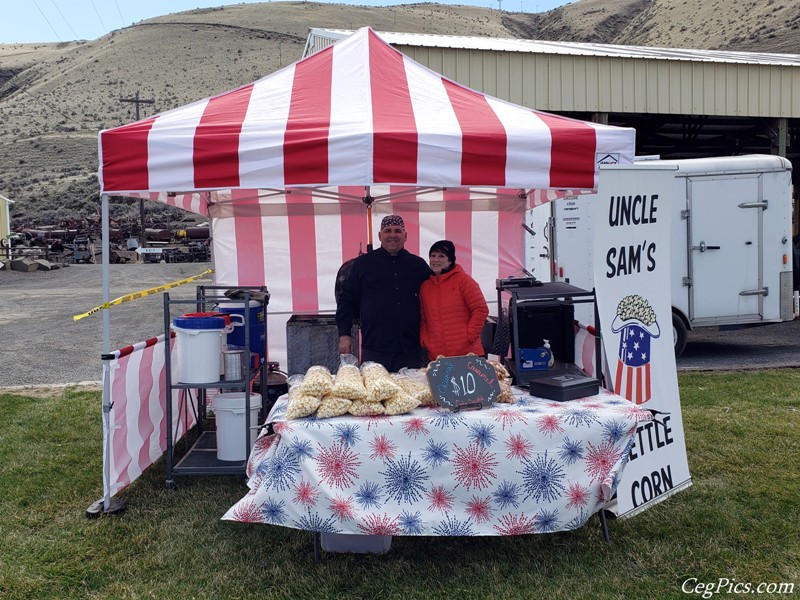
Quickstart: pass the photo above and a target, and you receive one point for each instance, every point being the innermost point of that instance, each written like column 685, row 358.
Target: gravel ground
column 766, row 346
column 40, row 344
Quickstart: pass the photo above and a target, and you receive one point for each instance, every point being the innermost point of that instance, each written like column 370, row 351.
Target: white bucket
column 231, row 422
column 199, row 348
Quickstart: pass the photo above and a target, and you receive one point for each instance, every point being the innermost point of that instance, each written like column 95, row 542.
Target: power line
column 13, row 87
column 53, row 108
column 121, row 19
column 48, row 22
column 65, row 18
column 99, row 18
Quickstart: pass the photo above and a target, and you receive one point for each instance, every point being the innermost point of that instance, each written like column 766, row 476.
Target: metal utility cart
column 201, row 457
column 538, row 311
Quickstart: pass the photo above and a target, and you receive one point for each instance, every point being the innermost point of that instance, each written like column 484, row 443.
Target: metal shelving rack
column 201, row 457
column 549, row 292
column 546, row 292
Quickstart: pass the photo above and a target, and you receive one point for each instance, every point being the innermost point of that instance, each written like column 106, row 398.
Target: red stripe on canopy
column 509, row 239
column 353, row 223
column 458, row 225
column 394, row 126
column 483, row 137
column 216, row 140
column 572, row 154
column 124, row 150
column 303, row 250
column 305, row 142
column 248, row 237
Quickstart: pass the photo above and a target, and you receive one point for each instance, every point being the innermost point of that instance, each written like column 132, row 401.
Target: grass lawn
column 740, row 520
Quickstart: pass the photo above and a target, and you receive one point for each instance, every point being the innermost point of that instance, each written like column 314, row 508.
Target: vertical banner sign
column 632, row 283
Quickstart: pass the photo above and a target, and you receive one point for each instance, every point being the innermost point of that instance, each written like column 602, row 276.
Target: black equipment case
column 566, row 385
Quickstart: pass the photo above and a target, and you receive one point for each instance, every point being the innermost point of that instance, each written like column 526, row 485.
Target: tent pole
column 369, row 227
column 106, row 350
column 368, row 200
column 106, row 244
column 106, row 505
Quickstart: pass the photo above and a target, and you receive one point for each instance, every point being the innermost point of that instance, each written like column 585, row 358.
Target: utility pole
column 137, row 101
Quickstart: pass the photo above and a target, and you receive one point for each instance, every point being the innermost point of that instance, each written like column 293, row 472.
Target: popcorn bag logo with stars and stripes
column 637, row 324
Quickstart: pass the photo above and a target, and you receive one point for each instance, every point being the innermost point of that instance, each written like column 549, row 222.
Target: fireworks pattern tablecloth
column 536, row 466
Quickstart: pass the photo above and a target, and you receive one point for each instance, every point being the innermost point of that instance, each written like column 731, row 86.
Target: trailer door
column 725, row 249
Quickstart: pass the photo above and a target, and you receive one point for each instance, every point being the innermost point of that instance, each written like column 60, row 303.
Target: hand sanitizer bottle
column 550, row 360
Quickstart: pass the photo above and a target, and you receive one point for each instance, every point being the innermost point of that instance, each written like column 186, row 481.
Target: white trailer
column 731, row 252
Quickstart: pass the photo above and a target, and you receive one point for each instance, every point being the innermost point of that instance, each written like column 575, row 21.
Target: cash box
column 564, row 386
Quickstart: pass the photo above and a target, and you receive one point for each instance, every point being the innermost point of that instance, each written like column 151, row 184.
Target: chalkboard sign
column 461, row 382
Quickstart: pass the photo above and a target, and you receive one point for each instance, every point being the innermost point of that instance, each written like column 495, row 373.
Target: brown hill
column 54, row 98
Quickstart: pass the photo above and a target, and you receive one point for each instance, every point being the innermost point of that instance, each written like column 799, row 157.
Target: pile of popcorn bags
column 366, row 391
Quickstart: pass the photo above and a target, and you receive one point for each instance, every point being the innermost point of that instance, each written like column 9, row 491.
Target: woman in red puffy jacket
column 452, row 305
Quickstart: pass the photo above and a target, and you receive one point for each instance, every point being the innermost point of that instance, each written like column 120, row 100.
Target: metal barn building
column 683, row 103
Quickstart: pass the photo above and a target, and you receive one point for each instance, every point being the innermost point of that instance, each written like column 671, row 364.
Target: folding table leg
column 317, row 537
column 604, row 524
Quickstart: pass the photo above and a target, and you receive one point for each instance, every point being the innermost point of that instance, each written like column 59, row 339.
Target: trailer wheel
column 679, row 334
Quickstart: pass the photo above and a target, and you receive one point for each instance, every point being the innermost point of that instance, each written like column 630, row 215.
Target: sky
column 30, row 21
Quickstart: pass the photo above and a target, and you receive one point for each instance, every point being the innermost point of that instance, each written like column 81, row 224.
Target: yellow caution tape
column 142, row 294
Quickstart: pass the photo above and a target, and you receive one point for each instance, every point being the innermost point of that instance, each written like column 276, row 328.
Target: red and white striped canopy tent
column 286, row 167
column 356, row 113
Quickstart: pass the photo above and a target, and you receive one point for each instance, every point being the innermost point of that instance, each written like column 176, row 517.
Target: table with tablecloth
column 535, row 466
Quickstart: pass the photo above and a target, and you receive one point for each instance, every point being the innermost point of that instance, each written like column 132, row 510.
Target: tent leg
column 317, row 546
column 604, row 524
column 106, row 505
column 106, row 350
column 116, row 507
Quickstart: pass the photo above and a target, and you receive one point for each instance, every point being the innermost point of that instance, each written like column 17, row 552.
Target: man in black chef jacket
column 382, row 290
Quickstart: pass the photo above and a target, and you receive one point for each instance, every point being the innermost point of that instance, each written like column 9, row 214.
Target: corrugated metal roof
column 571, row 48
